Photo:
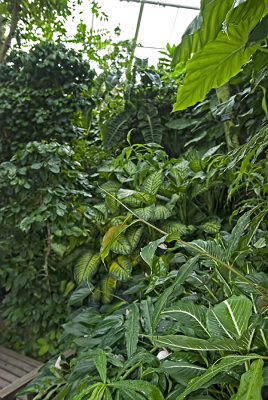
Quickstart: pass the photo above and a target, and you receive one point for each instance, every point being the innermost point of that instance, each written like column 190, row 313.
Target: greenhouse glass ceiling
column 162, row 22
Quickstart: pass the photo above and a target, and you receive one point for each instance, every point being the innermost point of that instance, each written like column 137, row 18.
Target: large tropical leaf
column 121, row 268
column 230, row 317
column 127, row 241
column 221, row 58
column 86, row 266
column 205, row 27
column 111, row 237
column 116, row 129
column 224, row 365
column 190, row 316
column 153, row 182
column 150, row 124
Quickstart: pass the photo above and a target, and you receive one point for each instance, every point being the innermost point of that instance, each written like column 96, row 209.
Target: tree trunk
column 5, row 45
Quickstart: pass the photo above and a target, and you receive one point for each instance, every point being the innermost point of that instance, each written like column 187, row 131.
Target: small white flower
column 162, row 246
column 127, row 313
column 163, row 354
column 57, row 364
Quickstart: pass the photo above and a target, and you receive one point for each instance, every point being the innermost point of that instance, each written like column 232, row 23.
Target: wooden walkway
column 16, row 371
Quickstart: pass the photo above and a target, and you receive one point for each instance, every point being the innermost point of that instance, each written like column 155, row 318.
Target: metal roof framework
column 156, row 3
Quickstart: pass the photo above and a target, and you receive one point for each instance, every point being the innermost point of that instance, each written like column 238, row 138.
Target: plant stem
column 131, row 370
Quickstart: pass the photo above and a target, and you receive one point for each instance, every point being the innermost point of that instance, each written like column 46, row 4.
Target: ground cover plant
column 155, row 250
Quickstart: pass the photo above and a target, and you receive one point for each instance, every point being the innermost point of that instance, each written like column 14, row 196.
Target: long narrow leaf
column 132, row 329
column 224, row 365
column 183, row 273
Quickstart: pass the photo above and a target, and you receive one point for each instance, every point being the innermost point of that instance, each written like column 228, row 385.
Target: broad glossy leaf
column 191, row 316
column 260, row 32
column 100, row 362
column 134, row 198
column 251, row 383
column 86, row 266
column 225, row 364
column 128, row 241
column 111, row 236
column 151, row 392
column 153, row 182
column 231, row 315
column 160, row 212
column 219, row 60
column 80, row 294
column 121, row 268
column 183, row 273
column 180, row 342
column 145, row 212
column 202, row 29
column 147, row 252
column 132, row 329
column 182, row 371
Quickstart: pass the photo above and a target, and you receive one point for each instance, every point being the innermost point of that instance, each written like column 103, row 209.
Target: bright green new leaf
column 132, row 329
column 230, row 317
column 225, row 364
column 213, row 66
column 100, row 362
column 251, row 383
column 202, row 29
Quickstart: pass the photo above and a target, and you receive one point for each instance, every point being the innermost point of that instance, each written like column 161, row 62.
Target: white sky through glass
column 159, row 25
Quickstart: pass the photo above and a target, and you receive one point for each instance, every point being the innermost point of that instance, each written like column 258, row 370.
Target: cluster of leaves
column 45, row 194
column 40, row 93
column 194, row 325
column 185, row 314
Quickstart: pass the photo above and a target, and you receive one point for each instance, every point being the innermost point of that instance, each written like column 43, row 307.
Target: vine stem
column 195, row 248
column 47, row 253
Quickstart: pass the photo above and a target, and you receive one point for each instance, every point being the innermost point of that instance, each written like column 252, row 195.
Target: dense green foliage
column 140, row 242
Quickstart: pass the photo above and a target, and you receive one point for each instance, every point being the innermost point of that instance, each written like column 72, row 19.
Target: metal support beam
column 158, row 3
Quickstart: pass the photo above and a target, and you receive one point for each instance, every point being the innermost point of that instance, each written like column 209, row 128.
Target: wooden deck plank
column 3, row 383
column 9, row 391
column 20, row 357
column 16, row 363
column 12, row 369
column 7, row 376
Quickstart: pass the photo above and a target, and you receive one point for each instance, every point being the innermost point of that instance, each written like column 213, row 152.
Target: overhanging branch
column 13, row 26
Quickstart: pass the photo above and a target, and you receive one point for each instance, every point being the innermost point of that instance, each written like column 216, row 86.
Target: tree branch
column 13, row 26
